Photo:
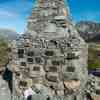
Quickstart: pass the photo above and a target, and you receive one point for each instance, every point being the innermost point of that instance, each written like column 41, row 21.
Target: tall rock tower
column 50, row 56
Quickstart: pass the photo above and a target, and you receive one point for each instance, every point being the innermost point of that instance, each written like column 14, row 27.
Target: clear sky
column 14, row 13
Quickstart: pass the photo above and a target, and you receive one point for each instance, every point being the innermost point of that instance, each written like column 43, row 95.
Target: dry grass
column 3, row 52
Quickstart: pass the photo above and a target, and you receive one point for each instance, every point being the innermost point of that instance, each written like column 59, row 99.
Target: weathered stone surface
column 4, row 90
column 51, row 53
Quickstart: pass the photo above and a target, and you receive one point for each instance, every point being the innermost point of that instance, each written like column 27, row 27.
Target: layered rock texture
column 51, row 56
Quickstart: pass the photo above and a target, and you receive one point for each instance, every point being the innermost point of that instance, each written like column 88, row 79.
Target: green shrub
column 3, row 51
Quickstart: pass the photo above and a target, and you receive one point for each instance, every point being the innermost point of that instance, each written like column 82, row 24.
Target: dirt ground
column 96, row 97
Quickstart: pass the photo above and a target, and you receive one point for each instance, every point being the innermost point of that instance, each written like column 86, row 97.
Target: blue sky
column 14, row 13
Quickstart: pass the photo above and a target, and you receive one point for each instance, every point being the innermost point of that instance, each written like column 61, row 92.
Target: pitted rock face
column 55, row 56
column 52, row 63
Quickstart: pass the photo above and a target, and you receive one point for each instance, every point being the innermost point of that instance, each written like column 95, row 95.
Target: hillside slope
column 90, row 31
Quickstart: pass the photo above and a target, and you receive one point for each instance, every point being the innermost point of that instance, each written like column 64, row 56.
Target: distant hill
column 8, row 34
column 90, row 31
